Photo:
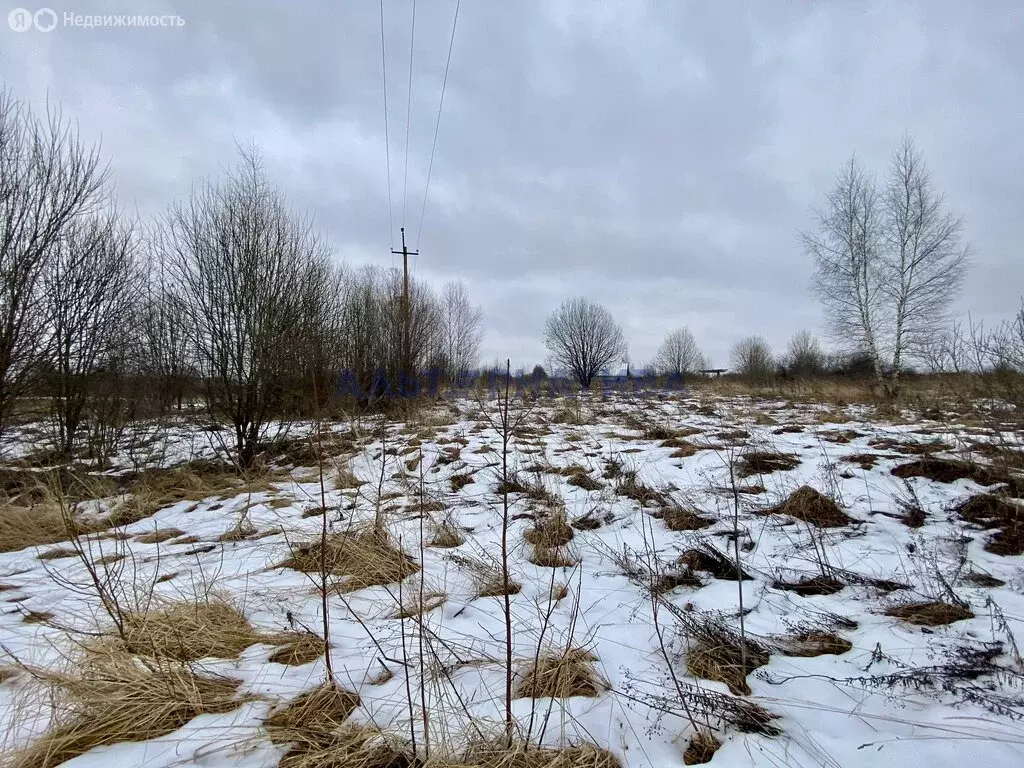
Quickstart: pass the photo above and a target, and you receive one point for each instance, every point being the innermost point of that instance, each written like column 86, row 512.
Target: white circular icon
column 20, row 20
column 45, row 20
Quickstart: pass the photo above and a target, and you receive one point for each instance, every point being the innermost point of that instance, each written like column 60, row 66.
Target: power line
column 408, row 113
column 387, row 140
column 437, row 123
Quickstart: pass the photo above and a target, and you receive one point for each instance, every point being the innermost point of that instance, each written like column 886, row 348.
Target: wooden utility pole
column 405, row 373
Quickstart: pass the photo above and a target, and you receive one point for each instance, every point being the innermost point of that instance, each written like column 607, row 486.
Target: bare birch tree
column 889, row 263
column 679, row 354
column 48, row 178
column 91, row 288
column 461, row 332
column 583, row 338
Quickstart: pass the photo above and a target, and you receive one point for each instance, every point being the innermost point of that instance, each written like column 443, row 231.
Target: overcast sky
column 657, row 157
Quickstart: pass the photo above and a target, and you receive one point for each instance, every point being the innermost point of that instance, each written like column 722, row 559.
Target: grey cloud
column 657, row 157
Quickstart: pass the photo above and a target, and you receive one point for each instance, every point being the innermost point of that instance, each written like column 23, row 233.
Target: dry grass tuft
column 707, row 558
column 765, row 462
column 840, row 436
column 189, row 631
column 679, row 519
column 627, row 485
column 345, row 479
column 364, row 556
column 811, row 585
column 701, row 749
column 37, row 617
column 446, row 535
column 865, row 460
column 240, row 531
column 553, row 557
column 814, row 643
column 460, row 481
column 930, row 614
column 717, row 653
column 551, row 530
column 299, row 648
column 909, row 447
column 499, row 754
column 159, row 536
column 35, row 526
column 986, row 580
column 684, row 450
column 810, row 506
column 309, row 719
column 990, row 510
column 351, row 745
column 580, row 478
column 112, row 699
column 561, row 675
column 58, row 553
column 487, row 576
column 949, row 470
column 413, row 605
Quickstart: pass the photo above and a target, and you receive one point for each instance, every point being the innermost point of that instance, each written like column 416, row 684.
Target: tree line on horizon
column 232, row 297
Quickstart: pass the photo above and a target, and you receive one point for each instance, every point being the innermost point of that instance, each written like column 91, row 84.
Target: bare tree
column 165, row 356
column 888, row 264
column 583, row 338
column 243, row 266
column 753, row 357
column 48, row 178
column 679, row 354
column 461, row 332
column 804, row 356
column 926, row 261
column 1006, row 344
column 91, row 286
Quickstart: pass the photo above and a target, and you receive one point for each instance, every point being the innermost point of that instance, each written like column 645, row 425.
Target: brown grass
column 718, row 564
column 908, row 447
column 720, row 658
column 811, row 585
column 412, row 605
column 300, row 648
column 990, row 511
column 446, row 535
column 460, row 481
column 632, row 488
column 701, row 749
column 553, row 557
column 679, row 519
column 814, row 643
column 35, row 526
column 561, row 675
column 930, row 614
column 810, row 506
column 550, row 530
column 159, row 536
column 363, row 556
column 189, row 631
column 765, row 462
column 111, row 699
column 310, row 717
column 58, row 553
column 865, row 460
column 949, row 470
column 498, row 754
column 582, row 479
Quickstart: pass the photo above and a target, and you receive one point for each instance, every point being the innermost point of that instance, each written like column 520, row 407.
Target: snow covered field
column 878, row 612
